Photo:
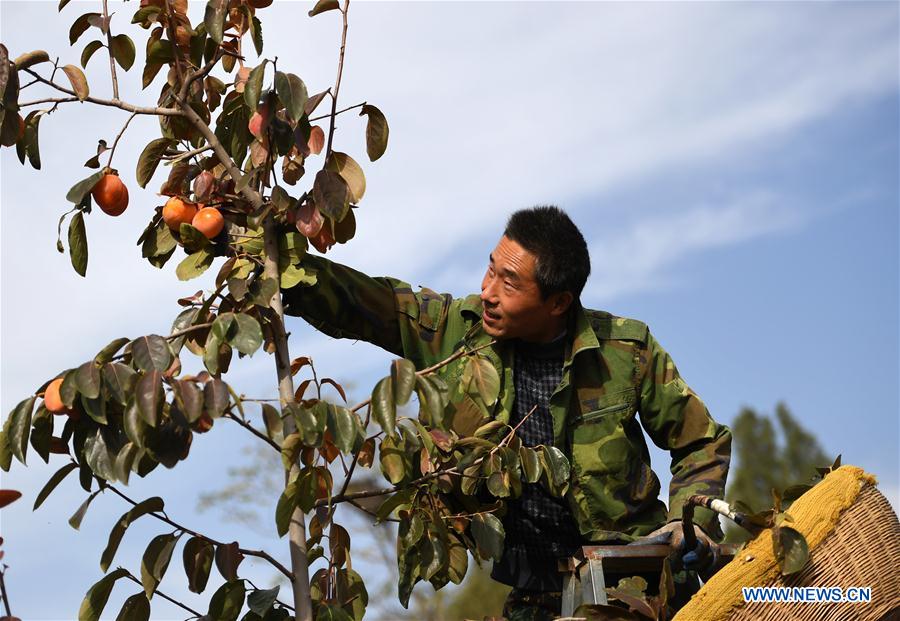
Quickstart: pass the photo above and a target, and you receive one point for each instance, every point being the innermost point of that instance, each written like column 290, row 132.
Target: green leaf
column 351, row 172
column 287, row 502
column 134, row 425
column 458, row 563
column 78, row 246
column 151, row 352
column 253, row 87
column 81, row 189
column 489, row 534
column 556, row 469
column 791, row 549
column 135, row 608
column 88, row 51
column 215, row 397
column 78, row 81
column 431, row 401
column 51, row 484
column 293, row 275
column 149, row 396
column 247, row 336
column 194, row 265
column 376, row 132
column 107, row 353
column 149, row 160
column 160, row 52
column 272, row 420
column 214, row 19
column 192, row 400
column 392, row 461
column 198, row 557
column 123, row 51
column 331, row 194
column 80, row 25
column 125, row 461
column 531, row 464
column 20, row 427
column 149, row 73
column 403, row 380
column 384, row 410
column 480, row 379
column 434, row 556
column 41, row 431
column 156, row 560
column 261, row 600
column 118, row 531
column 228, row 558
column 324, row 5
column 292, row 92
column 78, row 516
column 87, row 380
column 119, row 379
column 403, row 498
column 97, row 596
column 30, row 141
column 29, row 59
column 332, row 613
column 343, row 429
column 256, row 35
column 227, row 601
column 97, row 456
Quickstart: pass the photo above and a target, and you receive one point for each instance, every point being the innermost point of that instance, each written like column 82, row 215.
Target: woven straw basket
column 854, row 540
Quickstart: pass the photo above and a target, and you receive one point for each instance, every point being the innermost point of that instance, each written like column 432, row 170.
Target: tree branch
column 433, row 368
column 163, row 518
column 163, row 595
column 112, row 151
column 107, row 102
column 423, row 479
column 112, row 60
column 253, row 430
column 3, row 592
column 325, row 116
column 337, row 84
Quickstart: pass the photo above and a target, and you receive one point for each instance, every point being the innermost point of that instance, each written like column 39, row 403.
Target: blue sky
column 734, row 168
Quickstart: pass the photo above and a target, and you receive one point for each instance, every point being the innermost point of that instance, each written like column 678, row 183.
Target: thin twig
column 116, row 141
column 325, row 116
column 372, row 513
column 257, row 553
column 112, row 60
column 107, row 102
column 423, row 479
column 163, row 595
column 253, row 430
column 433, row 368
column 3, row 592
column 337, row 84
column 181, row 156
column 171, row 29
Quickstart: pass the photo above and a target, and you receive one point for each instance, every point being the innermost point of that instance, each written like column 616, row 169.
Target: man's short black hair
column 563, row 263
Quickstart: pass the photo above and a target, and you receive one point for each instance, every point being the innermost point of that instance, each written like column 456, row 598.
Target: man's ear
column 561, row 302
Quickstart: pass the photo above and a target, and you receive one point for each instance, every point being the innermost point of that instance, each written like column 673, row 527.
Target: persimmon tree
column 238, row 139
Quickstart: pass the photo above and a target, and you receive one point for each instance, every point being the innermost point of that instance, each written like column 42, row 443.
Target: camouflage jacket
column 616, row 378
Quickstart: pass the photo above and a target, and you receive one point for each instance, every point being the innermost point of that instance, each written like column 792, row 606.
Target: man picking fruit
column 582, row 380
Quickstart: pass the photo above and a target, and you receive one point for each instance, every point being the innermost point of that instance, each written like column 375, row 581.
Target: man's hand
column 702, row 557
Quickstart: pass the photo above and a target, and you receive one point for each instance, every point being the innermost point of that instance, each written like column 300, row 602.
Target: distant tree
column 767, row 459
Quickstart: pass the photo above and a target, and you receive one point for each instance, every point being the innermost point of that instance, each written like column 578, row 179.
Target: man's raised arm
column 345, row 303
column 678, row 421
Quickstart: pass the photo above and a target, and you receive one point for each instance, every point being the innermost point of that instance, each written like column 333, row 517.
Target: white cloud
column 646, row 256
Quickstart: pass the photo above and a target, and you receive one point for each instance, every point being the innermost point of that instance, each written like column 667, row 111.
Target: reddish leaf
column 8, row 495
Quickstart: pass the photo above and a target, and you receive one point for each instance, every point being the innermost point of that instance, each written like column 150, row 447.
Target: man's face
column 512, row 302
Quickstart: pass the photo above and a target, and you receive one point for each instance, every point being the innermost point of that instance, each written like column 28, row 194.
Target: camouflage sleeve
column 345, row 303
column 678, row 421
